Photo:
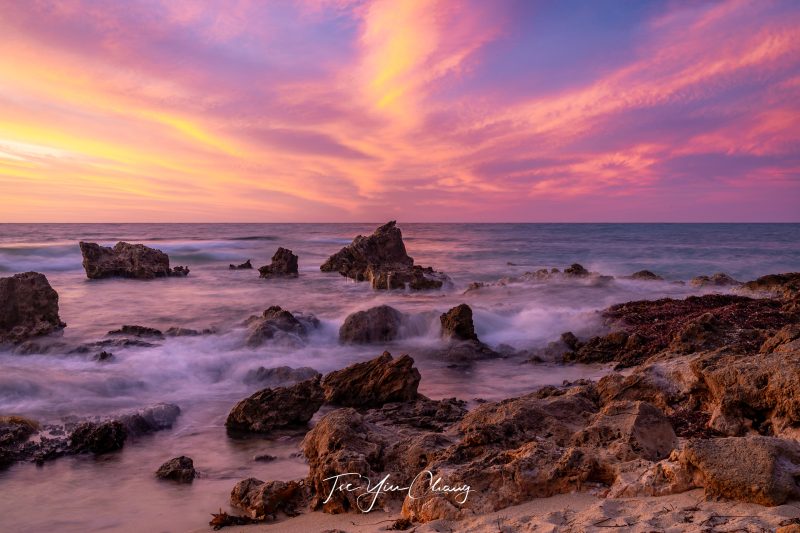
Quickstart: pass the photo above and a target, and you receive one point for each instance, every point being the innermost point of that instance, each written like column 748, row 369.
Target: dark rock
column 465, row 352
column 265, row 500
column 373, row 383
column 264, row 458
column 279, row 376
column 127, row 261
column 576, row 270
column 180, row 469
column 271, row 323
column 28, row 307
column 281, row 407
column 570, row 340
column 382, row 260
column 15, row 430
column 376, row 324
column 646, row 275
column 284, row 264
column 787, row 339
column 153, row 418
column 720, row 279
column 99, row 438
column 186, row 332
column 104, row 356
column 457, row 323
column 137, row 331
column 244, row 266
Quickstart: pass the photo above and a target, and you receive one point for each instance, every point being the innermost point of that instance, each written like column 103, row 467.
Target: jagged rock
column 376, row 324
column 15, row 430
column 646, row 275
column 28, row 307
column 137, row 331
column 781, row 285
column 180, row 469
column 153, row 418
column 186, row 332
column 284, row 264
column 630, row 430
column 104, row 356
column 247, row 265
column 373, row 383
column 464, row 353
column 281, row 407
column 576, row 270
column 262, row 500
column 720, row 279
column 279, row 376
column 99, row 438
column 787, row 339
column 382, row 260
column 273, row 322
column 127, row 261
column 457, row 323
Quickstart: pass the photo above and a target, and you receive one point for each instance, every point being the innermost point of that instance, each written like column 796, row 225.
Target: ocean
column 205, row 375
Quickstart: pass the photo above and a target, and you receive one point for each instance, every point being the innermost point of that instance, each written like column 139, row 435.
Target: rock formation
column 276, row 322
column 180, row 469
column 28, row 307
column 247, row 265
column 720, row 279
column 276, row 408
column 127, row 261
column 376, row 324
column 284, row 264
column 373, row 383
column 382, row 260
column 457, row 324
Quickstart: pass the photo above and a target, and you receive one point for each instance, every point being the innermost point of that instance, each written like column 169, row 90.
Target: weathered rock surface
column 373, row 383
column 262, row 500
column 247, row 265
column 781, row 285
column 180, row 469
column 127, row 261
column 382, row 260
column 279, row 376
column 787, row 339
column 376, row 324
column 457, row 323
column 153, row 418
column 284, row 264
column 28, row 307
column 576, row 270
column 99, row 438
column 720, row 279
column 645, row 328
column 277, row 323
column 282, row 407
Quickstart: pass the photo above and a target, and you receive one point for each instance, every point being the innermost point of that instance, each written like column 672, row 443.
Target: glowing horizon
column 339, row 110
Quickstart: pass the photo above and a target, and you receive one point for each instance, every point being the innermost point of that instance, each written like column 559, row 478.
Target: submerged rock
column 720, row 279
column 457, row 323
column 247, row 265
column 376, row 324
column 276, row 408
column 284, row 264
column 373, row 383
column 127, row 261
column 137, row 331
column 646, row 275
column 153, row 418
column 279, row 376
column 576, row 270
column 276, row 321
column 382, row 260
column 180, row 469
column 28, row 307
column 97, row 438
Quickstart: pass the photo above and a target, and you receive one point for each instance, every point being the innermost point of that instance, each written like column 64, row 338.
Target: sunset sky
column 340, row 110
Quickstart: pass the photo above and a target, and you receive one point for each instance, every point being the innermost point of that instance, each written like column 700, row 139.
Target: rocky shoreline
column 703, row 396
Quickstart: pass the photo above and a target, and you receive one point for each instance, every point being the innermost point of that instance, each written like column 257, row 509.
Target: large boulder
column 279, row 376
column 373, row 383
column 645, row 275
column 180, row 469
column 457, row 323
column 127, row 260
column 276, row 322
column 284, row 264
column 156, row 417
column 382, row 260
column 28, row 307
column 281, row 407
column 376, row 324
column 783, row 285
